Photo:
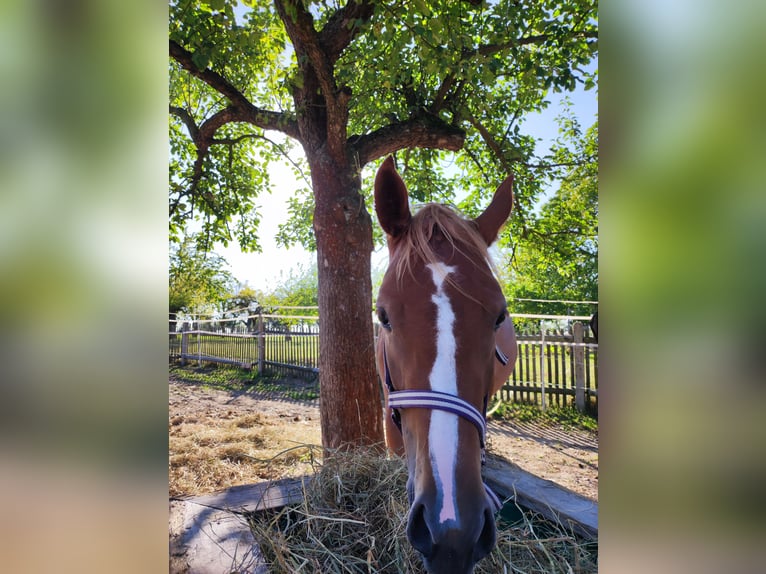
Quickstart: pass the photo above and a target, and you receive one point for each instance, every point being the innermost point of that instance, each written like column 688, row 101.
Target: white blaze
column 442, row 434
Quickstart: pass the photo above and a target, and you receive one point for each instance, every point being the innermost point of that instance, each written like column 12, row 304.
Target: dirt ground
column 221, row 437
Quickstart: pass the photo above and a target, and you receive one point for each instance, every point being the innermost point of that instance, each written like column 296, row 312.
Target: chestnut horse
column 446, row 345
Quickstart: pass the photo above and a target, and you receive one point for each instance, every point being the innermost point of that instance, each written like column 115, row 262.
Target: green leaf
column 201, row 59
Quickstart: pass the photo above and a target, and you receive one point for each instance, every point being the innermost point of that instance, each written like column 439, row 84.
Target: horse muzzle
column 451, row 547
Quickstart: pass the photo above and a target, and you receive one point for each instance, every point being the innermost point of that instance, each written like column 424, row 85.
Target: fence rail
column 555, row 368
column 286, row 351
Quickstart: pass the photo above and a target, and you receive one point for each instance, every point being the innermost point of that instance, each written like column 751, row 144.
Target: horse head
column 446, row 345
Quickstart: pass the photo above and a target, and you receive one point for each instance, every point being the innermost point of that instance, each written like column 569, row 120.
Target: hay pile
column 353, row 520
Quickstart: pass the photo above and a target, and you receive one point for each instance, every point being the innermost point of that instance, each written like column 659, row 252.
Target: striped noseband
column 443, row 402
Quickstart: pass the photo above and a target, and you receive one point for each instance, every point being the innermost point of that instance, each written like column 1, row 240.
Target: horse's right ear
column 391, row 203
column 490, row 222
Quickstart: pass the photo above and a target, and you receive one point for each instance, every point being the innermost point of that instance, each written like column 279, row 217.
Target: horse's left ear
column 490, row 222
column 391, row 203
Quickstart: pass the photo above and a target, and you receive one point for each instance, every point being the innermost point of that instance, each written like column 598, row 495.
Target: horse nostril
column 486, row 541
column 418, row 532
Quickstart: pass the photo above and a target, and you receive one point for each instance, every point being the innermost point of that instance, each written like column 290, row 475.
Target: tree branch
column 441, row 94
column 441, row 97
column 491, row 49
column 585, row 161
column 424, row 131
column 241, row 110
column 341, row 28
column 491, row 142
column 201, row 149
column 316, row 58
column 299, row 24
column 210, row 126
column 187, row 119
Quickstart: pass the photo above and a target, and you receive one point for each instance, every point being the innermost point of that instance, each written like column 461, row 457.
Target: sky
column 265, row 271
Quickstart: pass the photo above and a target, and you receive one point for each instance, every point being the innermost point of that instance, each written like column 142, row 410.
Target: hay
column 209, row 451
column 353, row 520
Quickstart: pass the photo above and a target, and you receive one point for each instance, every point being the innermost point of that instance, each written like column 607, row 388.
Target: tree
column 352, row 84
column 556, row 254
column 298, row 289
column 245, row 301
column 198, row 281
column 245, row 298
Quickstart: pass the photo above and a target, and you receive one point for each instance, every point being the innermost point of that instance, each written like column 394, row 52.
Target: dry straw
column 353, row 519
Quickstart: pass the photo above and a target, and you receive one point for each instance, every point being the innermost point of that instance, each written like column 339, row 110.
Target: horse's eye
column 500, row 319
column 383, row 318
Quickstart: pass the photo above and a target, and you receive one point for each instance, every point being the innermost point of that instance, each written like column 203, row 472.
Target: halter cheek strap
column 443, row 402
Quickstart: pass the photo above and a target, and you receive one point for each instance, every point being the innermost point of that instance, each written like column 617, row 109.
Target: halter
column 436, row 400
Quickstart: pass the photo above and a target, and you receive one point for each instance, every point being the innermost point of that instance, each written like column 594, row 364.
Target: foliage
column 474, row 68
column 298, row 289
column 556, row 254
column 217, row 181
column 198, row 281
column 246, row 298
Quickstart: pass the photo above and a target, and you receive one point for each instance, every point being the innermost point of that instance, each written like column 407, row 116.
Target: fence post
column 199, row 346
column 579, row 366
column 261, row 344
column 184, row 342
column 542, row 366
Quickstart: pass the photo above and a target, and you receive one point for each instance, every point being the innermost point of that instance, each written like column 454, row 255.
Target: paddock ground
column 228, row 434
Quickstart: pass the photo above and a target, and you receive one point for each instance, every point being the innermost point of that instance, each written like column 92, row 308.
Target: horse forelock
column 416, row 243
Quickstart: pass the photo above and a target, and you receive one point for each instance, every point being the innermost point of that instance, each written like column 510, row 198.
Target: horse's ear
column 490, row 222
column 391, row 203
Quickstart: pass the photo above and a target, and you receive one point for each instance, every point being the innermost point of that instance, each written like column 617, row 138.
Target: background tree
column 198, row 280
column 246, row 301
column 245, row 298
column 351, row 84
column 555, row 256
column 298, row 289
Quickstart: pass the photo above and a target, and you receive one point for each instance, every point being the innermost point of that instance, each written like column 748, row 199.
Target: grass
column 215, row 377
column 299, row 349
column 353, row 520
column 276, row 387
column 566, row 417
column 229, row 378
column 304, row 350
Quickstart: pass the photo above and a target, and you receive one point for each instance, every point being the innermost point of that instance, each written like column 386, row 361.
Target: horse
column 446, row 344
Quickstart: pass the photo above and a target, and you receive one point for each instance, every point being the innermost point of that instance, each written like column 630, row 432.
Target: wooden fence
column 281, row 345
column 553, row 368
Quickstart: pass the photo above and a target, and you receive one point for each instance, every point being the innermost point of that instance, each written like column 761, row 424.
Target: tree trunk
column 350, row 398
